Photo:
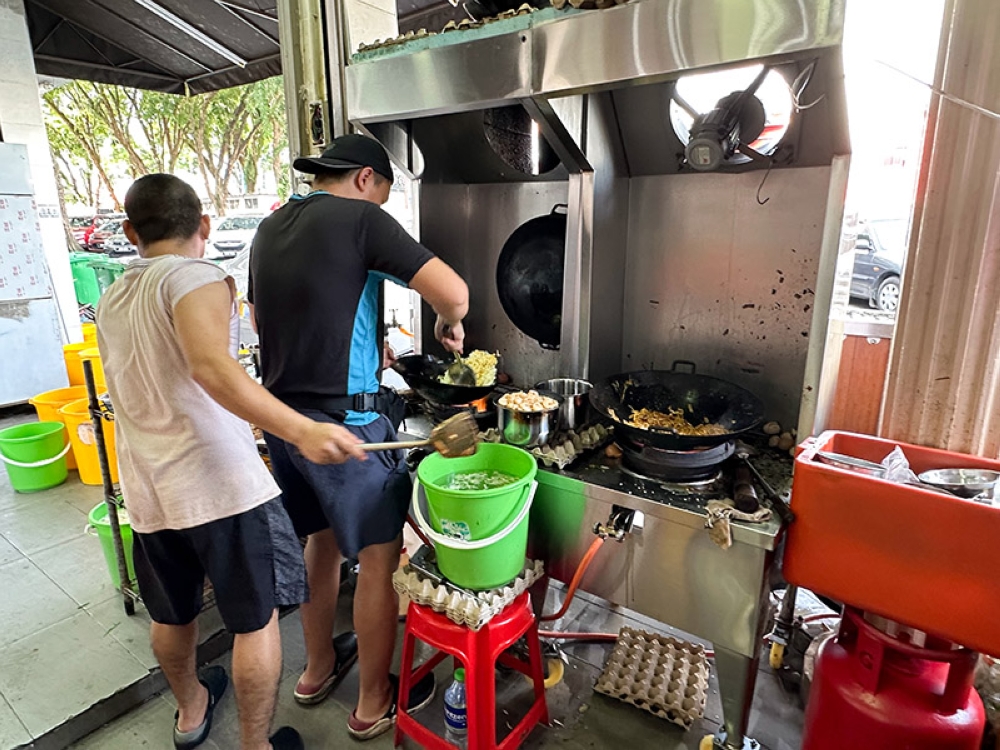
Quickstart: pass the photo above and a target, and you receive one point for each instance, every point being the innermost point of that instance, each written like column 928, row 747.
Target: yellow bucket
column 76, row 417
column 94, row 355
column 89, row 332
column 74, row 367
column 48, row 405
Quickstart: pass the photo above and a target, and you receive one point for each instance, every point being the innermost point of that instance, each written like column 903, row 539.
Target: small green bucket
column 35, row 455
column 480, row 536
column 101, row 526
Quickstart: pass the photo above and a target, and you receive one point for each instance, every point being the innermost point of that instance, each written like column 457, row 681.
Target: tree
column 100, row 132
column 72, row 110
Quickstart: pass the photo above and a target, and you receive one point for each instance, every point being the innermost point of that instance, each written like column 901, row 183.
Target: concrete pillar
column 21, row 122
column 943, row 386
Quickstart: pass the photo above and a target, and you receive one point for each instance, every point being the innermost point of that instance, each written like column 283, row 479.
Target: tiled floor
column 65, row 641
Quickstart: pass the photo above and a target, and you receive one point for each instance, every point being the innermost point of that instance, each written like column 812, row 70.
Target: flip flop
column 345, row 646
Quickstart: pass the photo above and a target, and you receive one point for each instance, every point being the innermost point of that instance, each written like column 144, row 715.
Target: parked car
column 878, row 262
column 232, row 235
column 118, row 245
column 103, row 232
column 82, row 226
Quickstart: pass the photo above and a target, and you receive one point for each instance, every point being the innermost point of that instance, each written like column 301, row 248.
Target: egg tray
column 462, row 606
column 662, row 675
column 565, row 447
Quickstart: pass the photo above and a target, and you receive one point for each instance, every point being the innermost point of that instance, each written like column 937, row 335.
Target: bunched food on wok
column 672, row 420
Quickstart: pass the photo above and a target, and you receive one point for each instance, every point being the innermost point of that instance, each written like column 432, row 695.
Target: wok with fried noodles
column 676, row 410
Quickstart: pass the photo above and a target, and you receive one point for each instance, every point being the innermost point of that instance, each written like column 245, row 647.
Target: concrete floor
column 580, row 718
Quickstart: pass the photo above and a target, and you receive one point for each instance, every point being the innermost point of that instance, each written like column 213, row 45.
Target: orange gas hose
column 575, row 583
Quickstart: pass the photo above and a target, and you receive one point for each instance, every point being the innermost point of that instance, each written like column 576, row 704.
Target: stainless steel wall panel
column 467, row 225
column 713, row 277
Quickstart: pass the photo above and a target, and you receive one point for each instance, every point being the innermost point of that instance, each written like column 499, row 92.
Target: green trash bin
column 88, row 292
column 107, row 272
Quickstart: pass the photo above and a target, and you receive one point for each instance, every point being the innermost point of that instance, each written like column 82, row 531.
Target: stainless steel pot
column 575, row 408
column 527, row 429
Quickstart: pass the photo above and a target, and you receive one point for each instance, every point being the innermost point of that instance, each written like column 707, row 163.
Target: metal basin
column 527, row 429
column 967, row 483
column 574, row 393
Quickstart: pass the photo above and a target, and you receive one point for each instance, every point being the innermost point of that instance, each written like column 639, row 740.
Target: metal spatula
column 459, row 373
column 454, row 437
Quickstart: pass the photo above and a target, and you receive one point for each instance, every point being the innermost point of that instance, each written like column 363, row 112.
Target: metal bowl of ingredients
column 575, row 407
column 527, row 427
column 857, row 465
column 967, row 483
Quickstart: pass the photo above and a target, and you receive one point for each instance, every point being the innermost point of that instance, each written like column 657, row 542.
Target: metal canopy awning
column 178, row 46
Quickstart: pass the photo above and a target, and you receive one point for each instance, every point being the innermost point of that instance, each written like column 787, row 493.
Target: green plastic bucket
column 101, row 526
column 35, row 455
column 480, row 536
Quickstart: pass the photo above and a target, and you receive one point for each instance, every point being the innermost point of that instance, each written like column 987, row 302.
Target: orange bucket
column 76, row 416
column 74, row 367
column 48, row 405
column 94, row 355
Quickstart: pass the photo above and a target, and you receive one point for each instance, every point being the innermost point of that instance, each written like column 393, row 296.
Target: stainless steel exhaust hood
column 636, row 52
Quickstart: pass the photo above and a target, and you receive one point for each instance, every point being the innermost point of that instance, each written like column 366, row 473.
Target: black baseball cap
column 351, row 151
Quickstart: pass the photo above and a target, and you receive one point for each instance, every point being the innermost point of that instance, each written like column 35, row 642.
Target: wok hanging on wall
column 530, row 277
column 701, row 398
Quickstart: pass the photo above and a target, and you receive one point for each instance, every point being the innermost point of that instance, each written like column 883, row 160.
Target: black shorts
column 253, row 560
column 364, row 502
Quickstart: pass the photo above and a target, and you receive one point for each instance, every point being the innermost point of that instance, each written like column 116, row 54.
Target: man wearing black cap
column 315, row 270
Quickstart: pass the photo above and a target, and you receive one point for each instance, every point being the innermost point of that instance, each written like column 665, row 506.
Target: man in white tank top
column 200, row 500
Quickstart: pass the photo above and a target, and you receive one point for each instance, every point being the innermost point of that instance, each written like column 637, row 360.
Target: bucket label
column 456, row 529
column 85, row 432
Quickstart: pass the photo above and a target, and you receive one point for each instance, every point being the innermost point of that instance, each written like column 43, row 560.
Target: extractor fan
column 736, row 121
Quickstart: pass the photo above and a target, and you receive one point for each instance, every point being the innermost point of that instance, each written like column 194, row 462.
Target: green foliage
column 100, row 132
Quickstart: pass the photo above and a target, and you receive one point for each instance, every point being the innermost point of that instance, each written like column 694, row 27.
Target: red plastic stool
column 479, row 652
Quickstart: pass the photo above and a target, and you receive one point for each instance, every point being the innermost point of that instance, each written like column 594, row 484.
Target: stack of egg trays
column 470, row 608
column 565, row 448
column 662, row 675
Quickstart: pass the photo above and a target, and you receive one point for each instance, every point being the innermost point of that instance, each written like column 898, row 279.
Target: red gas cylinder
column 871, row 691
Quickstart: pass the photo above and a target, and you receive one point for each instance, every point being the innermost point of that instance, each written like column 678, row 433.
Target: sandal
column 420, row 695
column 345, row 646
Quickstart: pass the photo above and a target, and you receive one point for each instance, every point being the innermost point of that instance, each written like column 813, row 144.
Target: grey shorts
column 363, row 502
column 253, row 560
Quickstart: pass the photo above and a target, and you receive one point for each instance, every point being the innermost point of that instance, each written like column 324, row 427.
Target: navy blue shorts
column 364, row 502
column 253, row 560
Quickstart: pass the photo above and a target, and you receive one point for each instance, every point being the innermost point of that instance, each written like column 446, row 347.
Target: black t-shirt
column 315, row 269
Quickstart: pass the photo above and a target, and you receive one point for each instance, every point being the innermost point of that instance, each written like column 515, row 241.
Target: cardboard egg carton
column 662, row 675
column 463, row 607
column 565, row 447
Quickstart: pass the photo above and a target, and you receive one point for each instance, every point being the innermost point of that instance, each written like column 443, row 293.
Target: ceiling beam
column 108, row 68
column 253, row 27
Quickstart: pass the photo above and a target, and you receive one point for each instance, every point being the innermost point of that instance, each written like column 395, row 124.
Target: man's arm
column 201, row 319
column 446, row 292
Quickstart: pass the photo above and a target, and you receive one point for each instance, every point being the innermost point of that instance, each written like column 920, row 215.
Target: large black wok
column 530, row 277
column 699, row 396
column 422, row 372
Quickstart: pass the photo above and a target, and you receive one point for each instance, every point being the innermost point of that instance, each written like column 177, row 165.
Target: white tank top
column 183, row 459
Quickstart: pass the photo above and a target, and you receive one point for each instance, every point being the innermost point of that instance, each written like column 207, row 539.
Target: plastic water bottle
column 455, row 719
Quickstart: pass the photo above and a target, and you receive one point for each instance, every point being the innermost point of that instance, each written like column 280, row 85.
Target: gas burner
column 674, row 467
column 480, row 410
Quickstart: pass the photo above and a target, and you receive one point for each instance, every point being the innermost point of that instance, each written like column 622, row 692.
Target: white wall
column 21, row 122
